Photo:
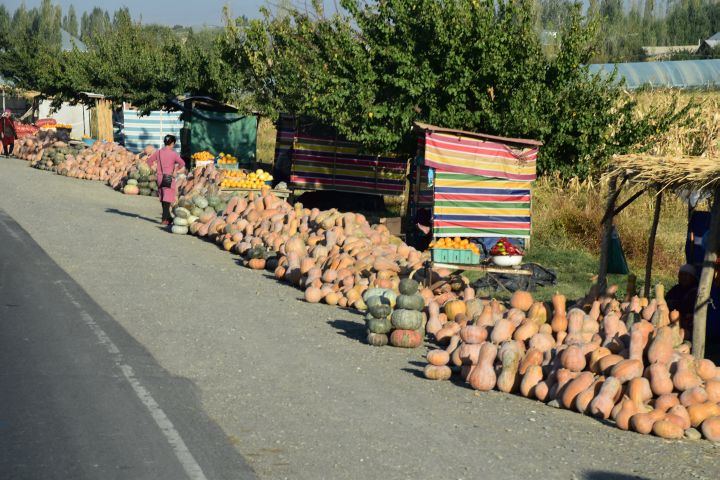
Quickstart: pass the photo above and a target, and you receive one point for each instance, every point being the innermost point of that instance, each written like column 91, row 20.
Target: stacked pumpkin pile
column 407, row 319
column 55, row 154
column 335, row 257
column 621, row 361
column 201, row 181
column 141, row 180
column 102, row 161
column 31, row 147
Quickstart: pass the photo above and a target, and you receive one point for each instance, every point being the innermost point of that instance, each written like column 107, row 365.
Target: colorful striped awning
column 476, row 156
column 328, row 164
column 477, row 206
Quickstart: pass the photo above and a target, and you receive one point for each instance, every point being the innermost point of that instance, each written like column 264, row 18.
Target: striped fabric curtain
column 482, row 188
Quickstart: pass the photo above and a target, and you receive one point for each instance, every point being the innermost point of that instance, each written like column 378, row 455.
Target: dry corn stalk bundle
column 698, row 173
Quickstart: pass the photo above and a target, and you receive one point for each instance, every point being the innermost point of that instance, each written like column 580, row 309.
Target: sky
column 168, row 12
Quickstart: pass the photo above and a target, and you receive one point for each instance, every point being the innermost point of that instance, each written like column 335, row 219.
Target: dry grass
column 266, row 134
column 567, row 215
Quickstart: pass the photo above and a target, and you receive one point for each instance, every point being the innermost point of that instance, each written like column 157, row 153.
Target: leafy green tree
column 70, row 22
column 464, row 64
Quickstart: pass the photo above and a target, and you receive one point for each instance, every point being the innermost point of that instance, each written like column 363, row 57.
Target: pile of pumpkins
column 54, row 155
column 622, row 361
column 102, row 161
column 31, row 147
column 141, row 180
column 395, row 319
column 335, row 257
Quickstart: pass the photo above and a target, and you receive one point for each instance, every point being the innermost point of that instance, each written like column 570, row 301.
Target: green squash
column 408, row 286
column 256, row 252
column 406, row 319
column 134, row 175
column 196, row 211
column 145, row 191
column 379, row 310
column 180, row 221
column 410, row 302
column 377, row 339
column 378, row 325
column 406, row 338
column 179, row 229
column 182, row 212
column 200, row 202
column 132, row 181
column 390, row 295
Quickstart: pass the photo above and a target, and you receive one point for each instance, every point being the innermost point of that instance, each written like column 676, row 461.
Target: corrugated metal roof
column 675, row 74
column 68, row 41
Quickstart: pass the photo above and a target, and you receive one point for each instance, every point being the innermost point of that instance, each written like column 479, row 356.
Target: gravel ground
column 292, row 384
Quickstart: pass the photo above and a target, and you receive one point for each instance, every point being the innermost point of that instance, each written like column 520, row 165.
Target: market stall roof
column 484, row 136
column 696, row 173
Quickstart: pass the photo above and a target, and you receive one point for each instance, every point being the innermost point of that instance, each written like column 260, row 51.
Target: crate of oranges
column 227, row 161
column 455, row 250
column 203, row 158
column 239, row 179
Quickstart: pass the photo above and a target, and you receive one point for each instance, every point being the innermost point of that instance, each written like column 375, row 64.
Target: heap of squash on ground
column 626, row 360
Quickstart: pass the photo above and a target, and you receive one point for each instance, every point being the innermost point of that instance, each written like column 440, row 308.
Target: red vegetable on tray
column 503, row 247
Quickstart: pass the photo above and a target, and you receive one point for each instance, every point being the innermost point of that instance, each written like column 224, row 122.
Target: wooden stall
column 661, row 175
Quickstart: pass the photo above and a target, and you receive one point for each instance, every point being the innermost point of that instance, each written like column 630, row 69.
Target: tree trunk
column 706, row 278
column 651, row 245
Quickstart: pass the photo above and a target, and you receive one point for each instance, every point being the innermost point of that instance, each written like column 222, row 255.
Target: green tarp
column 219, row 132
column 616, row 259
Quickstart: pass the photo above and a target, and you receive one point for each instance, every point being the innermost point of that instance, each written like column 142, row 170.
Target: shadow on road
column 131, row 215
column 600, row 475
column 352, row 330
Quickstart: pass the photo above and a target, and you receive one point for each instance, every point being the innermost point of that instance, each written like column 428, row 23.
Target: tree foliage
column 466, row 64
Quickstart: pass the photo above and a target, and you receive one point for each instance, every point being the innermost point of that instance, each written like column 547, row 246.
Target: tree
column 70, row 22
column 94, row 25
column 457, row 63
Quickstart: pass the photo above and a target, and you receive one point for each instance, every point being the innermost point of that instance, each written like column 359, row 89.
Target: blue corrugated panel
column 140, row 131
column 675, row 74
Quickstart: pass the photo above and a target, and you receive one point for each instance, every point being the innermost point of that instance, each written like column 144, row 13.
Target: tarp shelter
column 142, row 130
column 481, row 185
column 313, row 156
column 217, row 127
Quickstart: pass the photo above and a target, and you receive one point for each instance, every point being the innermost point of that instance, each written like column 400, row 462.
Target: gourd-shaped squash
column 643, row 422
column 682, row 418
column 473, row 308
column 707, row 370
column 533, row 356
column 666, row 401
column 685, row 376
column 526, row 330
column 574, row 388
column 638, row 339
column 437, row 372
column 667, row 429
column 712, row 388
column 583, row 399
column 521, row 300
column 573, row 359
column 693, row 396
column 469, row 353
column 378, row 325
column 542, row 342
column 473, row 334
column 377, row 339
column 638, row 389
column 453, row 308
column 711, row 428
column 256, row 263
column 448, row 330
column 405, row 338
column 602, row 405
column 410, row 302
column 408, row 286
column 626, row 370
column 406, row 319
column 607, row 362
column 660, row 380
column 537, row 313
column 438, row 357
column 510, row 355
column 699, row 412
column 627, row 410
column 502, row 331
column 661, row 347
column 532, row 376
column 483, row 376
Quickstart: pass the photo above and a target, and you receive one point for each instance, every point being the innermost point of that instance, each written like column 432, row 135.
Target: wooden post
column 651, row 245
column 607, row 233
column 706, row 278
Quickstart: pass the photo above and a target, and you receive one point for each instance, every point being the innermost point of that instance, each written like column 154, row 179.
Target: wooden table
column 277, row 193
column 489, row 269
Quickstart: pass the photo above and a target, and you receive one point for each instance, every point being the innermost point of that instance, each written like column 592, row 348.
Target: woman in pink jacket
column 169, row 162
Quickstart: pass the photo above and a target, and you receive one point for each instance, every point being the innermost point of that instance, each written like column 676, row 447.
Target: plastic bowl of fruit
column 507, row 260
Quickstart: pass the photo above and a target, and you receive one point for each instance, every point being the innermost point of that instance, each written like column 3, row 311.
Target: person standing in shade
column 7, row 132
column 168, row 164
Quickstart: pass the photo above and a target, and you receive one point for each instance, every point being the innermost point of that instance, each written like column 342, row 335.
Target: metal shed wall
column 672, row 74
column 140, row 131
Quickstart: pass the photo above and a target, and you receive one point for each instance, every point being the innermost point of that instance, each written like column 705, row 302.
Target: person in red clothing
column 7, row 132
column 168, row 160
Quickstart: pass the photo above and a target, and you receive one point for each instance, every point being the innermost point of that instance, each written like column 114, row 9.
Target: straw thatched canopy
column 695, row 173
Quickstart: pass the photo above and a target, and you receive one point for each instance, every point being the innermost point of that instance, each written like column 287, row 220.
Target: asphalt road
column 79, row 398
column 292, row 385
